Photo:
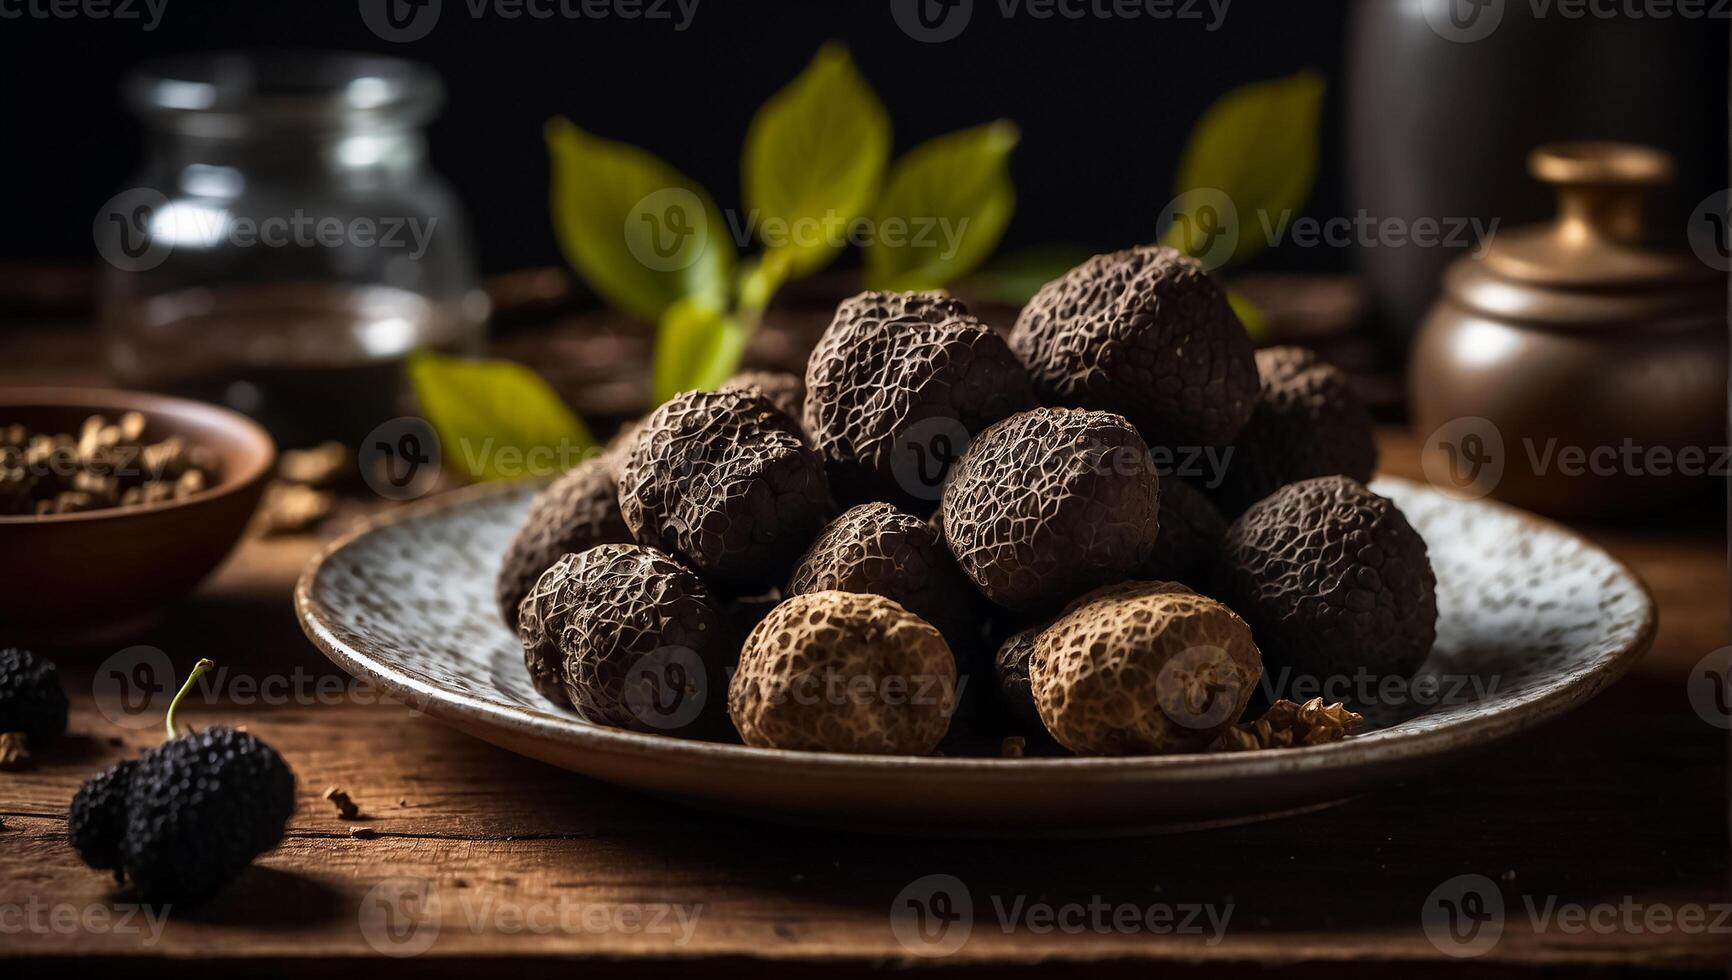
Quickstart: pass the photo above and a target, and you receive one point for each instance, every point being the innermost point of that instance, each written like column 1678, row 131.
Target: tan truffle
column 844, row 672
column 1143, row 668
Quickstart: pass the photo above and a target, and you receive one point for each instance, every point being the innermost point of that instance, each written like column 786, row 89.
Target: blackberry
column 188, row 816
column 31, row 700
column 97, row 821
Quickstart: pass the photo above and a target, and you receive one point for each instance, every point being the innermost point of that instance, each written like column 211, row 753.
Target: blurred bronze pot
column 1572, row 369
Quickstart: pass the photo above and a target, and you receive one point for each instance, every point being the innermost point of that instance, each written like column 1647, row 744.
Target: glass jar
column 286, row 244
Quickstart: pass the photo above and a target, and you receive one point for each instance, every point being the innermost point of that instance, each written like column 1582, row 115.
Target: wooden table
column 1621, row 805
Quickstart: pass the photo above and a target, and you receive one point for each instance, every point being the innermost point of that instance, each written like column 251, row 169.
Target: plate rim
column 1369, row 750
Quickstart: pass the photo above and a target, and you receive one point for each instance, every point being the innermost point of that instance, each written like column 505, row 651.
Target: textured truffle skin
column 1307, row 423
column 618, row 449
column 725, row 482
column 1143, row 669
column 1051, row 503
column 898, row 383
column 1188, row 549
column 575, row 512
column 641, row 644
column 844, row 672
column 31, row 698
column 785, row 390
column 1145, row 333
column 199, row 809
column 96, row 821
column 1010, row 666
column 1334, row 580
column 540, row 616
column 878, row 549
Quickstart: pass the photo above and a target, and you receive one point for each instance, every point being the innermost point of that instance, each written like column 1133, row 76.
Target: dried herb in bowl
column 107, row 464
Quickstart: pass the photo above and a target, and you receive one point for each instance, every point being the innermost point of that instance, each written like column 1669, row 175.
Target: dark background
column 1104, row 105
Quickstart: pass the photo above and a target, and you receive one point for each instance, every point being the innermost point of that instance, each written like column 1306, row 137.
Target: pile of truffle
column 945, row 533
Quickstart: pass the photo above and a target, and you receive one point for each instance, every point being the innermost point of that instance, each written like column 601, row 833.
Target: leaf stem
column 198, row 670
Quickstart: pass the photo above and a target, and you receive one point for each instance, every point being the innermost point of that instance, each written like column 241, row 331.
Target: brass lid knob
column 1600, row 187
column 1596, row 239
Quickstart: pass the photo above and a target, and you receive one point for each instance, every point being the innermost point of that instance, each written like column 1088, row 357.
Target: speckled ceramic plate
column 1533, row 620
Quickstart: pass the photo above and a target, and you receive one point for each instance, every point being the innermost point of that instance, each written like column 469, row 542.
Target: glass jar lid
column 235, row 95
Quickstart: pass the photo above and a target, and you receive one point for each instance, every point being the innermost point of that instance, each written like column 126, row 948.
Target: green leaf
column 490, row 415
column 1015, row 278
column 696, row 348
column 943, row 210
column 642, row 234
column 759, row 280
column 1257, row 145
column 1249, row 314
column 814, row 156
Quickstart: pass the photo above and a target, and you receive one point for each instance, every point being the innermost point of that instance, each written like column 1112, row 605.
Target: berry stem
column 198, row 670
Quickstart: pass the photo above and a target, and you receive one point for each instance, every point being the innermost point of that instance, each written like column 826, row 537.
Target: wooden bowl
column 99, row 575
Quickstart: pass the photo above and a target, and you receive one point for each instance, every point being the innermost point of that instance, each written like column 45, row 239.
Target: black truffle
column 191, row 814
column 725, row 481
column 1050, row 503
column 1145, row 333
column 1334, row 581
column 1188, row 549
column 642, row 645
column 539, row 618
column 575, row 512
column 1010, row 667
column 898, row 384
column 31, row 700
column 875, row 548
column 1308, row 423
column 618, row 448
column 787, row 391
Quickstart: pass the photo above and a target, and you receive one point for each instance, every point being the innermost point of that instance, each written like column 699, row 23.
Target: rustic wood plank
column 496, row 833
